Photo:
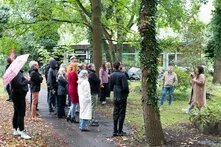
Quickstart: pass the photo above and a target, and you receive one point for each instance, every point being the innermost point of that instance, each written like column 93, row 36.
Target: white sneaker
column 24, row 135
column 15, row 132
column 104, row 102
column 185, row 110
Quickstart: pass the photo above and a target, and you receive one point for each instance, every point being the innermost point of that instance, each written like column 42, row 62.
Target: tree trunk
column 217, row 71
column 148, row 57
column 96, row 34
column 110, row 45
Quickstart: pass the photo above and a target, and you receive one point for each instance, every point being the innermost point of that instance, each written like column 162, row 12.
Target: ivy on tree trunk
column 148, row 58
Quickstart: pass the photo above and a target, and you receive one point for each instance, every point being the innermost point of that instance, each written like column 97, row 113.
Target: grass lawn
column 170, row 115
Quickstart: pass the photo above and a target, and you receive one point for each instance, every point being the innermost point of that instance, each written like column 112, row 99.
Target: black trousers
column 52, row 100
column 18, row 99
column 8, row 89
column 104, row 92
column 119, row 114
column 61, row 102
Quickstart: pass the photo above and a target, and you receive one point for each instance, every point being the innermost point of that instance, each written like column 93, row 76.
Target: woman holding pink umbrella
column 19, row 87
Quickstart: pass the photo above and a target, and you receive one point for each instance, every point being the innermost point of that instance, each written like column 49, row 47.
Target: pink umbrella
column 14, row 68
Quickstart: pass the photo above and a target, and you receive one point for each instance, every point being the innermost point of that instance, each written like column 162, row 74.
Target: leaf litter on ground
column 42, row 133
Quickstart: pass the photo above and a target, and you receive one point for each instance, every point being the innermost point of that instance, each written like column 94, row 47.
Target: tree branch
column 131, row 21
column 83, row 8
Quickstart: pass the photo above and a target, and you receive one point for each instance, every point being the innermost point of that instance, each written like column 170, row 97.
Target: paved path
column 71, row 133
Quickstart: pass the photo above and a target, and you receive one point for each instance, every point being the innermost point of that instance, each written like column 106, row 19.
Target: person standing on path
column 52, row 84
column 35, row 87
column 84, row 92
column 62, row 91
column 19, row 87
column 73, row 60
column 95, row 89
column 103, row 75
column 110, row 70
column 119, row 84
column 46, row 77
column 8, row 86
column 169, row 81
column 72, row 91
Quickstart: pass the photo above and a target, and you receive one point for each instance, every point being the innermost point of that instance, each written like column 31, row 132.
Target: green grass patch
column 170, row 115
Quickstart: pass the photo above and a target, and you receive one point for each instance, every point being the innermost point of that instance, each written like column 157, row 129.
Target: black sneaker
column 84, row 130
column 9, row 100
column 115, row 134
column 73, row 120
column 94, row 124
column 122, row 133
column 51, row 110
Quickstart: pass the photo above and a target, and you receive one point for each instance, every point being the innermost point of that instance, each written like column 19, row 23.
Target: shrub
column 183, row 79
column 209, row 119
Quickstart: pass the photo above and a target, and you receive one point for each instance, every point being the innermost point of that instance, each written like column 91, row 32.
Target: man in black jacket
column 119, row 84
column 47, row 67
column 95, row 89
column 52, row 84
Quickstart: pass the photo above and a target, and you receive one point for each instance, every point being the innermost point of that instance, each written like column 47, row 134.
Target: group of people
column 198, row 82
column 83, row 87
column 79, row 84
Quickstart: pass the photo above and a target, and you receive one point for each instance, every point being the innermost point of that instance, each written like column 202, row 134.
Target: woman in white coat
column 84, row 93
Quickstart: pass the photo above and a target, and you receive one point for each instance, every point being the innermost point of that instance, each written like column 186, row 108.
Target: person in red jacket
column 72, row 91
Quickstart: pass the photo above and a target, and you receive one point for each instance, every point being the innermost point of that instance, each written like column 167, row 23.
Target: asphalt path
column 70, row 132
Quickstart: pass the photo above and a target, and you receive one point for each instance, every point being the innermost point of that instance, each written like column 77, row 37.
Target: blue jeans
column 84, row 123
column 165, row 90
column 72, row 110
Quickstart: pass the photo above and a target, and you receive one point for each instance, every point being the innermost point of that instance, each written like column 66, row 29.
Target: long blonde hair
column 72, row 67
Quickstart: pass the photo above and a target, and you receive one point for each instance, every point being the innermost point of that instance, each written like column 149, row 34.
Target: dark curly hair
column 200, row 69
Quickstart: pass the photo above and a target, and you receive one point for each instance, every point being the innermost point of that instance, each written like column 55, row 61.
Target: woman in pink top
column 103, row 75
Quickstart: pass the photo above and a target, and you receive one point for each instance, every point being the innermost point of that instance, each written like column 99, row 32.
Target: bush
column 183, row 79
column 209, row 119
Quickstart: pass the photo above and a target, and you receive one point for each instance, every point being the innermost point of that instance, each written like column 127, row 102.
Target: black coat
column 119, row 84
column 46, row 71
column 19, row 83
column 62, row 85
column 35, row 80
column 94, row 82
column 52, row 75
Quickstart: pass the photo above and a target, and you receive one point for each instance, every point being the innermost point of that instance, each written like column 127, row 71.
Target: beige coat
column 199, row 91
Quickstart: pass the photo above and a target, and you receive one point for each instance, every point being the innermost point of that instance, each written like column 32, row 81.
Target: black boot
column 68, row 118
column 115, row 133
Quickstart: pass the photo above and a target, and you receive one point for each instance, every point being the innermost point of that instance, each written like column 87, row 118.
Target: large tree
column 96, row 33
column 214, row 45
column 148, row 58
